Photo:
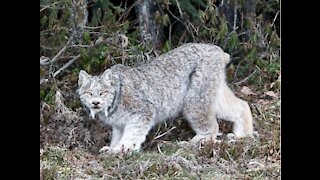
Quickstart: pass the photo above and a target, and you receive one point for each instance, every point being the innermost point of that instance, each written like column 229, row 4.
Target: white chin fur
column 93, row 113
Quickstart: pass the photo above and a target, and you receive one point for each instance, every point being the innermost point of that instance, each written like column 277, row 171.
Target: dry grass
column 69, row 145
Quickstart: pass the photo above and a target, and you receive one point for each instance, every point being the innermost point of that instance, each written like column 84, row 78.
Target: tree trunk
column 150, row 31
column 79, row 19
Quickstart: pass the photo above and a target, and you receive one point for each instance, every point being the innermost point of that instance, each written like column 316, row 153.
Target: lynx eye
column 102, row 93
column 88, row 93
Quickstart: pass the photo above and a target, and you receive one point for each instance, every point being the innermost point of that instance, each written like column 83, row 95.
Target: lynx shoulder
column 187, row 81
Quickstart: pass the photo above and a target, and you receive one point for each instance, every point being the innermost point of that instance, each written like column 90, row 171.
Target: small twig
column 272, row 24
column 159, row 136
column 79, row 45
column 260, row 112
column 178, row 19
column 96, row 27
column 170, row 31
column 63, row 49
column 245, row 32
column 187, row 27
column 235, row 17
column 107, row 175
column 180, row 11
column 45, row 7
column 190, row 24
column 48, row 48
column 54, row 58
column 127, row 12
column 230, row 157
column 235, row 73
column 275, row 18
column 226, row 40
column 245, row 79
column 66, row 65
column 158, row 147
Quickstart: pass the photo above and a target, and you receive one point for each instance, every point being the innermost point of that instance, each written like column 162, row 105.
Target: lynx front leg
column 117, row 133
column 116, row 136
column 134, row 134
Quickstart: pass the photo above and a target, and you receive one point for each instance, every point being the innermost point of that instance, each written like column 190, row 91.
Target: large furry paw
column 124, row 150
column 199, row 140
column 231, row 138
column 255, row 134
column 104, row 149
column 119, row 149
column 113, row 150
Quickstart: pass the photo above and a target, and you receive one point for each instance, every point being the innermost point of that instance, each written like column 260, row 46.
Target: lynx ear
column 83, row 77
column 106, row 74
column 108, row 78
column 226, row 58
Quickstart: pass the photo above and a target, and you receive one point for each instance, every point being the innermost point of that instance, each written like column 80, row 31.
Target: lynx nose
column 95, row 103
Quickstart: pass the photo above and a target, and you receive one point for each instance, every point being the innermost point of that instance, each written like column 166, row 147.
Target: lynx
column 187, row 81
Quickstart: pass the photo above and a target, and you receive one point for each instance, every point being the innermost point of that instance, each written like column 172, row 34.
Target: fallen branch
column 66, row 65
column 48, row 6
column 235, row 17
column 55, row 58
column 245, row 79
column 159, row 136
column 275, row 18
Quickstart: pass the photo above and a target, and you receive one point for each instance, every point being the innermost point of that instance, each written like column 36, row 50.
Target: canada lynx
column 189, row 80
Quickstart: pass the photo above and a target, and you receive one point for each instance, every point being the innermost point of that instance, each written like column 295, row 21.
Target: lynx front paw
column 123, row 149
column 231, row 138
column 104, row 149
column 201, row 139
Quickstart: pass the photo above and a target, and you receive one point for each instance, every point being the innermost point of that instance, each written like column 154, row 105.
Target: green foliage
column 254, row 44
column 233, row 43
column 167, row 47
column 268, row 7
column 93, row 61
column 86, row 37
column 47, row 94
column 54, row 18
column 223, row 30
column 252, row 38
column 163, row 20
column 190, row 6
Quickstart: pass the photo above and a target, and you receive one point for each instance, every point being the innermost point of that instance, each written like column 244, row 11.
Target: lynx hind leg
column 229, row 107
column 202, row 120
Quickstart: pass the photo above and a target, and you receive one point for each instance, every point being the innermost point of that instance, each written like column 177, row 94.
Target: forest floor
column 70, row 142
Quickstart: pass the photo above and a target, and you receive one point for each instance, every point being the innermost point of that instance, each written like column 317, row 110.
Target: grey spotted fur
column 189, row 80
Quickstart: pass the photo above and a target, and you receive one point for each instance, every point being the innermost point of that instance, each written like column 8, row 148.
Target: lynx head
column 98, row 93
